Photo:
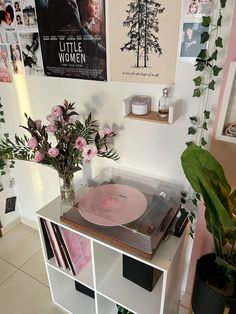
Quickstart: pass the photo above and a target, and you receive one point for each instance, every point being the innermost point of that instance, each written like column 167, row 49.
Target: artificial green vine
column 206, row 64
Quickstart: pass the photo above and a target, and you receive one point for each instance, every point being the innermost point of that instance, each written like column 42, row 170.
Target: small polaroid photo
column 198, row 8
column 191, row 41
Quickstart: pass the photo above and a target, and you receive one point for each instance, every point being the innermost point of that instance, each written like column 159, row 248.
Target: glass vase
column 67, row 192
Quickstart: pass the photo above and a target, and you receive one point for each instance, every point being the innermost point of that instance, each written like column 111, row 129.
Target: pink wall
column 225, row 153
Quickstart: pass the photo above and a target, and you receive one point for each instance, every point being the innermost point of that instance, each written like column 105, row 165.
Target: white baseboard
column 29, row 222
column 11, row 226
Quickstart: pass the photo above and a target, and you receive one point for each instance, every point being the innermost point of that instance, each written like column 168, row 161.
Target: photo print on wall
column 5, row 70
column 195, row 8
column 140, row 50
column 31, row 52
column 191, row 41
column 73, row 40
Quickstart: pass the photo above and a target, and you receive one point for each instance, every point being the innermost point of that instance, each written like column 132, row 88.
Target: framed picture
column 226, row 129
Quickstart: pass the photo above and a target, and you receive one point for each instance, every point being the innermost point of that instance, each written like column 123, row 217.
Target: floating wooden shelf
column 152, row 116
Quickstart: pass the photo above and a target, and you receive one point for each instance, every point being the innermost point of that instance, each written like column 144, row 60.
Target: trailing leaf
column 193, row 120
column 203, row 142
column 219, row 42
column 211, row 85
column 214, row 55
column 205, row 126
column 189, row 143
column 223, row 3
column 207, row 114
column 216, row 70
column 197, row 92
column 202, row 54
column 192, row 131
column 198, row 81
column 206, row 21
column 200, row 66
column 219, row 21
column 204, row 37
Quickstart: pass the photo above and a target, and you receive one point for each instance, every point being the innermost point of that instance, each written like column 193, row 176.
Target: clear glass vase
column 67, row 192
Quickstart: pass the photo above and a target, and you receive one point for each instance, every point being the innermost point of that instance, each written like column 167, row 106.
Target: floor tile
column 19, row 245
column 21, row 294
column 35, row 267
column 6, row 270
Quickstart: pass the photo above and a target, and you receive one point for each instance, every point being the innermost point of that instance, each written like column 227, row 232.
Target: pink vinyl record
column 112, row 204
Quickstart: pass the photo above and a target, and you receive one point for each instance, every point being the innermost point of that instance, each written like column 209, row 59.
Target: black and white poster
column 72, row 35
column 31, row 53
column 144, row 47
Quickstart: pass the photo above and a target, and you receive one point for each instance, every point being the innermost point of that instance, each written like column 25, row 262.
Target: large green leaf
column 216, row 209
column 194, row 159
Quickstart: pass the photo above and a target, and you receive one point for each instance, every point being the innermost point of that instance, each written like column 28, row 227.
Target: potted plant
column 215, row 280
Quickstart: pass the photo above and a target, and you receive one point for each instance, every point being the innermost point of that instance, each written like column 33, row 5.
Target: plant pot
column 204, row 299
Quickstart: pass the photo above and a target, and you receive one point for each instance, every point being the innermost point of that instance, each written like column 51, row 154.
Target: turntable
column 126, row 210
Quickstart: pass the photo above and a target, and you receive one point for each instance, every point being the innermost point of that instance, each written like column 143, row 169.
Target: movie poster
column 72, row 34
column 143, row 38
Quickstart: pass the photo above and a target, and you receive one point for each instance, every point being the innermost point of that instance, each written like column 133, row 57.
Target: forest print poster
column 143, row 36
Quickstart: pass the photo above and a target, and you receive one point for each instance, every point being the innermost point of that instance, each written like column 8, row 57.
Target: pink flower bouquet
column 76, row 143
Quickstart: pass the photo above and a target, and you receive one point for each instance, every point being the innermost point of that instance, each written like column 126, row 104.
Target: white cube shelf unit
column 103, row 275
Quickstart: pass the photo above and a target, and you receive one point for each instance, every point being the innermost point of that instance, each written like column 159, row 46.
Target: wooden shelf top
column 152, row 116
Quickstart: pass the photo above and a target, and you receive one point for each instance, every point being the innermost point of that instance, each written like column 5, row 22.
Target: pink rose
column 38, row 124
column 32, row 143
column 56, row 111
column 38, row 156
column 89, row 151
column 51, row 128
column 107, row 131
column 53, row 152
column 80, row 143
column 50, row 118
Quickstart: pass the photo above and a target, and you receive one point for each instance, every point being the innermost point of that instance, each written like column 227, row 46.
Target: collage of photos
column 19, row 39
column 192, row 28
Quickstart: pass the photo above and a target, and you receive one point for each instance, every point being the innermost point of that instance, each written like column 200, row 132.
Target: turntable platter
column 112, row 205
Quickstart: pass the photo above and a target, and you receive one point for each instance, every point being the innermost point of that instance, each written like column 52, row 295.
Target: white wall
column 149, row 147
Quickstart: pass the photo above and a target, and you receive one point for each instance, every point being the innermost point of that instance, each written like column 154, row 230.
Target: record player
column 126, row 210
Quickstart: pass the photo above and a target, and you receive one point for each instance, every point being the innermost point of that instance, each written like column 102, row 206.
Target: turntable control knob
column 162, row 194
column 151, row 228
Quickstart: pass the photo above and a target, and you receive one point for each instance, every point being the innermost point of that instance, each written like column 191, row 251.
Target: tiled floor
column 23, row 280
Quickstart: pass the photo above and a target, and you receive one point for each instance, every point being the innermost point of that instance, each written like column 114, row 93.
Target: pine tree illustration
column 143, row 23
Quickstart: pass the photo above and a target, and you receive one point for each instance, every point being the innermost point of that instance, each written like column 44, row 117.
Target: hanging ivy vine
column 204, row 83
